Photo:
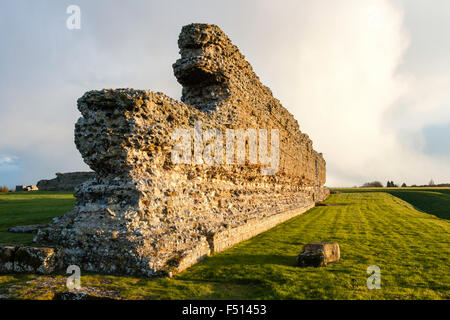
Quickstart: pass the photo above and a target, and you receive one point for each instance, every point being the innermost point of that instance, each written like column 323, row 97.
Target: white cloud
column 339, row 75
column 8, row 163
column 4, row 160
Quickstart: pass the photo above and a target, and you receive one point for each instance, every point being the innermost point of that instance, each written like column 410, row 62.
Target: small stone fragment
column 32, row 228
column 318, row 254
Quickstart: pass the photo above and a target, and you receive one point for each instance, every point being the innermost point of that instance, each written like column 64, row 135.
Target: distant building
column 27, row 188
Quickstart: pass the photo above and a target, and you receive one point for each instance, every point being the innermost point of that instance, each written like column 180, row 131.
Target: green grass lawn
column 34, row 207
column 373, row 228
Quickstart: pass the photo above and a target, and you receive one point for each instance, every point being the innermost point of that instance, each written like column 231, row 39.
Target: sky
column 367, row 80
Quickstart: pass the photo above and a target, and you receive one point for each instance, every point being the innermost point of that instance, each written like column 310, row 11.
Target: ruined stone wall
column 217, row 79
column 65, row 181
column 145, row 214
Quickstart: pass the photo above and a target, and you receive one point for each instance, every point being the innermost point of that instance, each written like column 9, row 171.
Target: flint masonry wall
column 217, row 79
column 145, row 214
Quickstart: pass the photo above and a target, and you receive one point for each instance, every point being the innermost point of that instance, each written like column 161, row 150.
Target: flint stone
column 318, row 254
column 39, row 260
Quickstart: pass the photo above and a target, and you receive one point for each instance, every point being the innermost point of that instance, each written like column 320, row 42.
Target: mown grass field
column 21, row 208
column 411, row 248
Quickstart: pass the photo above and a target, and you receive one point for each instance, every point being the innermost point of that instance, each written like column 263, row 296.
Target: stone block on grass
column 318, row 254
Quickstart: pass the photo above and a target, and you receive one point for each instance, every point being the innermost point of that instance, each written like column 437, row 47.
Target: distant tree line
column 391, row 184
column 4, row 189
column 373, row 184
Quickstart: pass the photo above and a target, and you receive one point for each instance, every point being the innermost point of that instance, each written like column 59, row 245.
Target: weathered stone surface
column 318, row 254
column 39, row 260
column 143, row 213
column 7, row 259
column 27, row 259
column 32, row 228
column 65, row 181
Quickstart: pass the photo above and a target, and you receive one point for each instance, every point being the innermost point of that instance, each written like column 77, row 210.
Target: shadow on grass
column 15, row 279
column 437, row 204
column 251, row 259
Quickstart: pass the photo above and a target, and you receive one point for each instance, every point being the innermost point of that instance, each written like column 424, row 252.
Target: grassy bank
column 430, row 200
column 373, row 228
